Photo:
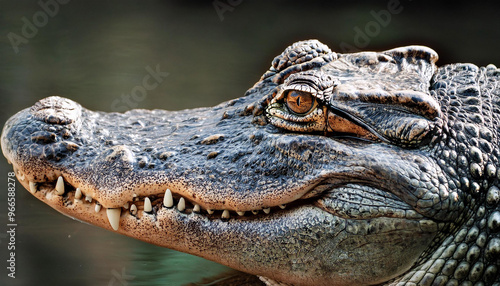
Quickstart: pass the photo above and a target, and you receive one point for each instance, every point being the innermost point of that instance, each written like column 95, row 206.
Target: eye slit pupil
column 299, row 102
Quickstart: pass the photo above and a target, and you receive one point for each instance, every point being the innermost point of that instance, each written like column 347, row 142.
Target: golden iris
column 299, row 102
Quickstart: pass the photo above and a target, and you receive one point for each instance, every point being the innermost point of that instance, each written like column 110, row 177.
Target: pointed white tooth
column 88, row 198
column 60, row 186
column 97, row 208
column 282, row 207
column 168, row 200
column 114, row 217
column 20, row 176
column 133, row 209
column 32, row 187
column 134, row 197
column 125, row 206
column 255, row 212
column 196, row 208
column 209, row 211
column 147, row 205
column 241, row 213
column 225, row 214
column 267, row 210
column 181, row 206
column 78, row 194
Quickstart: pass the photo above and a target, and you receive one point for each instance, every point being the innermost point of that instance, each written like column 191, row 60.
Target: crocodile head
column 334, row 169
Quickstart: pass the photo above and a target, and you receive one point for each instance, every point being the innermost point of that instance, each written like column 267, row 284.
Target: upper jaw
column 197, row 154
column 194, row 153
column 201, row 159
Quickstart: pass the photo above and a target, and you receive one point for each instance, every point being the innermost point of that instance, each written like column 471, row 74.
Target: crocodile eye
column 299, row 102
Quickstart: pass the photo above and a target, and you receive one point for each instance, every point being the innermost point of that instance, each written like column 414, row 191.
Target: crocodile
column 365, row 168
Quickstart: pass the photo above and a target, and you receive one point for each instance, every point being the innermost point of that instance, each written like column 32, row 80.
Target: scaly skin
column 334, row 169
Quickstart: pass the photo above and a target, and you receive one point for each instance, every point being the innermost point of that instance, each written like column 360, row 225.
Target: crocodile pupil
column 299, row 102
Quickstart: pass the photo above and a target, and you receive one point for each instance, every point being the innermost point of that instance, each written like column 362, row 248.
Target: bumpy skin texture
column 389, row 177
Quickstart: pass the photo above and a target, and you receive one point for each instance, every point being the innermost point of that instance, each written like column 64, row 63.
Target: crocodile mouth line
column 150, row 205
column 140, row 205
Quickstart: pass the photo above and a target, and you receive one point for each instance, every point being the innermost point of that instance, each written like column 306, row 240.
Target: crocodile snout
column 56, row 110
column 41, row 136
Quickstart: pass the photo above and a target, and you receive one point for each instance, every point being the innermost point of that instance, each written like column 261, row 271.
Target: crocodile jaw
column 256, row 244
column 225, row 174
column 226, row 230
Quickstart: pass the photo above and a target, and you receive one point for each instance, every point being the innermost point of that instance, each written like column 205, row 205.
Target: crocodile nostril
column 56, row 110
column 43, row 137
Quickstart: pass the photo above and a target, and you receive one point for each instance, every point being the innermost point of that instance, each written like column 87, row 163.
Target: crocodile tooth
column 147, row 205
column 60, row 186
column 267, row 210
column 225, row 214
column 97, row 208
column 209, row 211
column 114, row 217
column 32, row 187
column 282, row 207
column 125, row 206
column 78, row 194
column 88, row 198
column 255, row 212
column 168, row 200
column 133, row 209
column 196, row 208
column 20, row 176
column 181, row 206
column 241, row 213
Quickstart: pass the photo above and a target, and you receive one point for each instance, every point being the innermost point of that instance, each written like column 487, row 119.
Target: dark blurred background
column 94, row 52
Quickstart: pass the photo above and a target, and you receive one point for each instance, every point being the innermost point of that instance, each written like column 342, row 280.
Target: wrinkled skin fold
column 371, row 168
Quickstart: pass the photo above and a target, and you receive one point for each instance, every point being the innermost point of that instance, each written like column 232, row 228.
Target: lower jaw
column 129, row 222
column 231, row 242
column 186, row 231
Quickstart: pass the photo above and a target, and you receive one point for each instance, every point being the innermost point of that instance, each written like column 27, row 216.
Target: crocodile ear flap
column 300, row 56
column 419, row 59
